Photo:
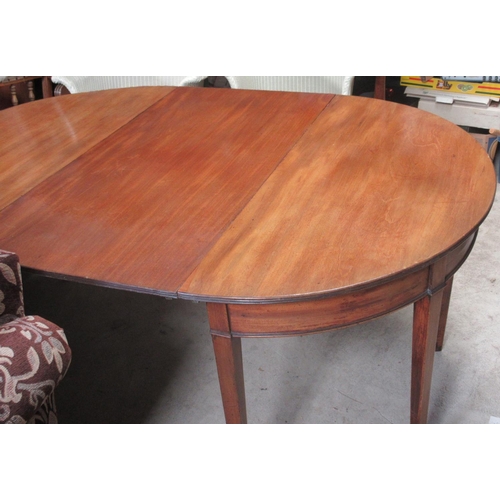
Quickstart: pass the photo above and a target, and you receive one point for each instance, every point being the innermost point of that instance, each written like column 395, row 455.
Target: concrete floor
column 144, row 359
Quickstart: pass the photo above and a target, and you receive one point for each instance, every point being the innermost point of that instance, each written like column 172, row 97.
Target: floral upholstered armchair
column 34, row 354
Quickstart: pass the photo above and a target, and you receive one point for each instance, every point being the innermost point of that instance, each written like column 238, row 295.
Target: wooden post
column 47, row 87
column 379, row 92
column 31, row 91
column 445, row 305
column 427, row 319
column 13, row 95
column 229, row 361
column 425, row 327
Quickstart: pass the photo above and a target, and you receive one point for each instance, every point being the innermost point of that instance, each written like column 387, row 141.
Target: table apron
column 315, row 316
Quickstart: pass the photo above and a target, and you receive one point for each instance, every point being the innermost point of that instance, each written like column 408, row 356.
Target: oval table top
column 237, row 196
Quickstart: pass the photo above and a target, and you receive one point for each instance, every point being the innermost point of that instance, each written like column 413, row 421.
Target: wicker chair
column 75, row 84
column 34, row 354
column 321, row 84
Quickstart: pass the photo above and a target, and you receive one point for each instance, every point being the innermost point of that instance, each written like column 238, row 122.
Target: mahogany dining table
column 287, row 213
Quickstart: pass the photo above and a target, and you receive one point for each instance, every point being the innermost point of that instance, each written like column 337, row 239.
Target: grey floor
column 144, row 359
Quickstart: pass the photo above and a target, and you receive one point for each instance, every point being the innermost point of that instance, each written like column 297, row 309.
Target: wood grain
column 38, row 139
column 292, row 318
column 143, row 206
column 425, row 332
column 371, row 189
column 230, row 370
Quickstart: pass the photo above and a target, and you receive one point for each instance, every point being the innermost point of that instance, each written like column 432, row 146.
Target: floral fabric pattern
column 11, row 286
column 34, row 354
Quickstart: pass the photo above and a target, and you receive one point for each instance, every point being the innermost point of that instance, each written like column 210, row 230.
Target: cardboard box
column 459, row 87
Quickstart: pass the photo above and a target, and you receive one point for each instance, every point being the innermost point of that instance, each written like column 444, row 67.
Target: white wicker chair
column 321, row 84
column 76, row 84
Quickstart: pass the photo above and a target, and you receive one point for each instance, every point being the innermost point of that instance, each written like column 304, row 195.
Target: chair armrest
column 72, row 84
column 11, row 287
column 34, row 358
column 60, row 89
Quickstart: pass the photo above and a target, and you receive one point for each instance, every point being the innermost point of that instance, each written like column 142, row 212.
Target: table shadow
column 126, row 351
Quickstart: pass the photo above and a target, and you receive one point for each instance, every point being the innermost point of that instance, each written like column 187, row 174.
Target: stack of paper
column 450, row 97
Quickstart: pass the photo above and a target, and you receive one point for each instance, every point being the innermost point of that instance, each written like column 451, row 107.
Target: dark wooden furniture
column 379, row 92
column 288, row 213
column 23, row 87
column 13, row 82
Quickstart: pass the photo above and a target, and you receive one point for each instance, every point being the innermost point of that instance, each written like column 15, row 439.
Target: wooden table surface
column 234, row 195
column 238, row 197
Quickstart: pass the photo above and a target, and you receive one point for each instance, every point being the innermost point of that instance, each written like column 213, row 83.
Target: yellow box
column 458, row 87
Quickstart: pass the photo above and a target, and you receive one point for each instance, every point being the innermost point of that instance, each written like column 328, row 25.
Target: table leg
column 426, row 320
column 230, row 369
column 445, row 305
column 229, row 360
